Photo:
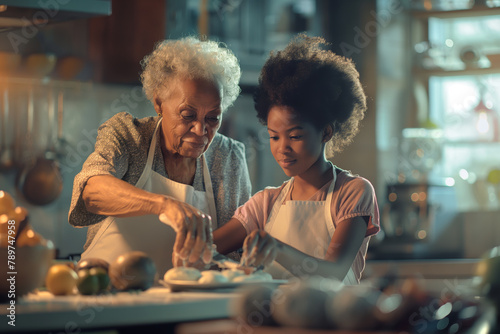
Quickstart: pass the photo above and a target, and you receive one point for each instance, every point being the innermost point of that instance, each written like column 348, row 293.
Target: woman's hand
column 259, row 249
column 178, row 262
column 194, row 231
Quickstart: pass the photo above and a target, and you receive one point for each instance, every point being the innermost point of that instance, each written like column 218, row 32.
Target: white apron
column 307, row 226
column 146, row 233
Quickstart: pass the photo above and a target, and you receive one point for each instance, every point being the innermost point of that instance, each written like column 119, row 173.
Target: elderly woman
column 174, row 166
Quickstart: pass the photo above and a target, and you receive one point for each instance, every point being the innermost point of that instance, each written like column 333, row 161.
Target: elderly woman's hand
column 194, row 231
column 259, row 249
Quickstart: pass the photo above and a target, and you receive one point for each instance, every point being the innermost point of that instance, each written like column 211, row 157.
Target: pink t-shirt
column 353, row 196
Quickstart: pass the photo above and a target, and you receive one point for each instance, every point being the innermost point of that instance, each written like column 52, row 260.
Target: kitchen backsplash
column 86, row 106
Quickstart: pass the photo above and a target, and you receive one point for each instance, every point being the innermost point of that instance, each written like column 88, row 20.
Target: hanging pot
column 6, row 156
column 40, row 181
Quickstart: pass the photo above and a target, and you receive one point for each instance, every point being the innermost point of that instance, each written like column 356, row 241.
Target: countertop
column 180, row 311
column 72, row 314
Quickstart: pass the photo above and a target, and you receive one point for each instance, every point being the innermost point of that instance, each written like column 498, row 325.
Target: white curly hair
column 191, row 58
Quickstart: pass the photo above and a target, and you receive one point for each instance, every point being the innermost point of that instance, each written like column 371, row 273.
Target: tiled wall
column 86, row 106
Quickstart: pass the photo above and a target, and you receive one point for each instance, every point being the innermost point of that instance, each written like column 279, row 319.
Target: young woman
column 320, row 221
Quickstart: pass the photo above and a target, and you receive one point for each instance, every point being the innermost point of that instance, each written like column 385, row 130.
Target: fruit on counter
column 397, row 302
column 102, row 278
column 86, row 283
column 93, row 281
column 132, row 271
column 353, row 308
column 61, row 280
column 403, row 306
column 254, row 305
column 304, row 304
column 92, row 263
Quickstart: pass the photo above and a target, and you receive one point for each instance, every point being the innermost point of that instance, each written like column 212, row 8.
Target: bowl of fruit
column 25, row 256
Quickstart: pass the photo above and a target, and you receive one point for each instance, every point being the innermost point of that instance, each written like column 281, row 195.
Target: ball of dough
column 212, row 276
column 231, row 274
column 182, row 274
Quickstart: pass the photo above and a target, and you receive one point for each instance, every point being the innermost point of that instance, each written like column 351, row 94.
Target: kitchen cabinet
column 455, row 73
column 436, row 64
column 119, row 42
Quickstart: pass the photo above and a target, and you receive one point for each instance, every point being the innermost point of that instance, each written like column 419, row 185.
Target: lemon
column 61, row 279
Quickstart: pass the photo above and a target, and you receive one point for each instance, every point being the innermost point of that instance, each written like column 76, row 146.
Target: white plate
column 176, row 285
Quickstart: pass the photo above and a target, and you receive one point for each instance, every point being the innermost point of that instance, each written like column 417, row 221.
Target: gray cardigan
column 121, row 150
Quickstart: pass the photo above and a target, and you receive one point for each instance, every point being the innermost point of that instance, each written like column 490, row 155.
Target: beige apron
column 307, row 226
column 146, row 233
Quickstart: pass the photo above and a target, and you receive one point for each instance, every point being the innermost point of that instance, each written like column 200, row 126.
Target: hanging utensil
column 6, row 158
column 41, row 181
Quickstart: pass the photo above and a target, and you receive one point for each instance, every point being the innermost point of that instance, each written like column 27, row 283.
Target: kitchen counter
column 162, row 310
column 425, row 268
column 72, row 314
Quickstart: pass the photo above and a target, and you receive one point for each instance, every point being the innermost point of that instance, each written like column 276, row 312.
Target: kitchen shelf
column 473, row 12
column 45, row 82
column 470, row 143
column 443, row 73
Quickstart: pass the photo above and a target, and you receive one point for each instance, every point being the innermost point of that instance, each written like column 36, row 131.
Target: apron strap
column 209, row 192
column 151, row 155
column 328, row 203
column 277, row 205
column 329, row 196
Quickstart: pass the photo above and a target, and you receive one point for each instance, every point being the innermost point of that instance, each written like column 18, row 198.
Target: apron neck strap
column 209, row 192
column 149, row 162
column 329, row 195
column 152, row 146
